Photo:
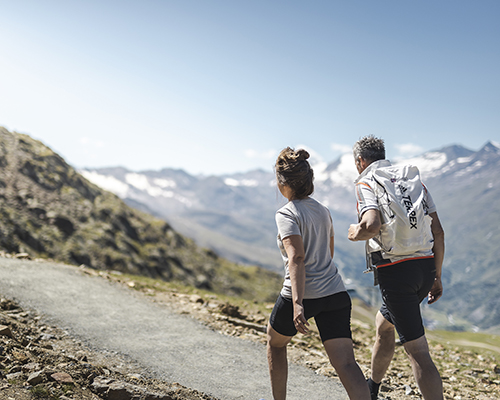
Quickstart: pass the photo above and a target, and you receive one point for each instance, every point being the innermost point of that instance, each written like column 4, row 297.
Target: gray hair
column 369, row 148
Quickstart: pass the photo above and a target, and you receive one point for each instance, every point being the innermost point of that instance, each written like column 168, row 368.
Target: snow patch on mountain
column 320, row 171
column 107, row 182
column 165, row 183
column 137, row 180
column 142, row 182
column 463, row 160
column 242, row 182
column 471, row 168
column 429, row 164
column 345, row 173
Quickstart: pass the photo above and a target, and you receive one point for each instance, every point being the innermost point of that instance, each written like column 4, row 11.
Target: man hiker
column 405, row 249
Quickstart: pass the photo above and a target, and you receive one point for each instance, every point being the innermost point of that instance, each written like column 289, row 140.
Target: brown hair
column 293, row 170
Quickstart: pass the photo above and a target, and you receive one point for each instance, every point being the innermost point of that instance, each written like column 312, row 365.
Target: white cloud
column 341, row 148
column 408, row 149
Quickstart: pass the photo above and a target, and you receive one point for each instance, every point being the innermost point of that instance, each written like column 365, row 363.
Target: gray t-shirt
column 312, row 221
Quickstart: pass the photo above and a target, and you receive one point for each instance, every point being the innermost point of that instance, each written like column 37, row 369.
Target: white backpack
column 406, row 225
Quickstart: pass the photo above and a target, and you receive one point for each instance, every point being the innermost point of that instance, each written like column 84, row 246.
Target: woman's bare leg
column 277, row 360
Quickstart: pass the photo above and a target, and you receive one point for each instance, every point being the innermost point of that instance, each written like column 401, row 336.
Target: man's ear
column 363, row 162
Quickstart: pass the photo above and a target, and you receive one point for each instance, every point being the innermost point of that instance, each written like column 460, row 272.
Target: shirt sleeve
column 366, row 198
column 287, row 224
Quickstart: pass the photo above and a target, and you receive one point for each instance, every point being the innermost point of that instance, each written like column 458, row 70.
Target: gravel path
column 171, row 347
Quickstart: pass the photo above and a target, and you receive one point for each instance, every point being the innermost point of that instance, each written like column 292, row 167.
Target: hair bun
column 290, row 157
column 302, row 155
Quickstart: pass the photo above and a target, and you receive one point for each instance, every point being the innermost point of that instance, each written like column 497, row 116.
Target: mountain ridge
column 458, row 178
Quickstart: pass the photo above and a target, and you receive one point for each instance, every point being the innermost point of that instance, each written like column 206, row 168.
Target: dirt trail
column 169, row 346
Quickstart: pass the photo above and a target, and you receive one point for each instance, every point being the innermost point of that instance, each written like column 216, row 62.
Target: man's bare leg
column 341, row 354
column 425, row 372
column 383, row 349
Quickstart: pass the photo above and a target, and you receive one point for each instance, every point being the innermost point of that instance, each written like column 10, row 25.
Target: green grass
column 467, row 339
column 40, row 392
column 261, row 291
column 362, row 312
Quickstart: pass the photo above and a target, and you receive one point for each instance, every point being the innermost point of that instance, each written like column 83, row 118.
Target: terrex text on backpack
column 406, row 225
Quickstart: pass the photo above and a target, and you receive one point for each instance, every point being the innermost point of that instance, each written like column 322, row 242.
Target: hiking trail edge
column 169, row 346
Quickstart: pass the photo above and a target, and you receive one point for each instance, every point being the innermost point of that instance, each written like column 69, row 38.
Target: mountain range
column 234, row 215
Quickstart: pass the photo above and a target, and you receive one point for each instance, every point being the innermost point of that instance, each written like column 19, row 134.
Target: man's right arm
column 369, row 222
column 368, row 227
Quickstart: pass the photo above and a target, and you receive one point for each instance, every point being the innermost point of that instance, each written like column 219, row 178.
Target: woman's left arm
column 294, row 247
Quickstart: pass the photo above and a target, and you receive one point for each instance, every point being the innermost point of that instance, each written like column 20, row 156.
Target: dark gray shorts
column 331, row 313
column 403, row 287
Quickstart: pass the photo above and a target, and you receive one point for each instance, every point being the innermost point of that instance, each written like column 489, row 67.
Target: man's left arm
column 438, row 233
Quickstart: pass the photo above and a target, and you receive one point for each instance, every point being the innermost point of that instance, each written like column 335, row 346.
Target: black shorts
column 331, row 313
column 403, row 287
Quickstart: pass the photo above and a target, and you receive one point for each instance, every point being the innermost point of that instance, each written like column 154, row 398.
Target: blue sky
column 216, row 87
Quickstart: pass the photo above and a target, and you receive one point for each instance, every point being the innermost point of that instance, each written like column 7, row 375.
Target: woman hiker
column 312, row 286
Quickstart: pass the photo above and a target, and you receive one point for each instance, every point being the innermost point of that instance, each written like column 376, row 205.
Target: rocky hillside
column 48, row 210
column 40, row 361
